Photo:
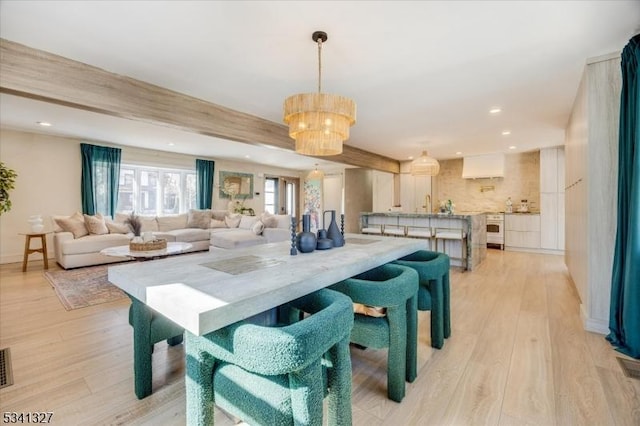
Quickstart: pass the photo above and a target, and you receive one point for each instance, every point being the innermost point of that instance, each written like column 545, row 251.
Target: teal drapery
column 624, row 317
column 204, row 183
column 100, row 179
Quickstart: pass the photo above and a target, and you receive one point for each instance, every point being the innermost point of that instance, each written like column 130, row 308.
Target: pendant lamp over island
column 425, row 165
column 319, row 122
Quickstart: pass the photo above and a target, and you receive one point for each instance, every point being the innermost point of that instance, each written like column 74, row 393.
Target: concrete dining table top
column 207, row 291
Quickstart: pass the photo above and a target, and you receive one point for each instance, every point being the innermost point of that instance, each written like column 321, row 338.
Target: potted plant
column 134, row 222
column 7, row 183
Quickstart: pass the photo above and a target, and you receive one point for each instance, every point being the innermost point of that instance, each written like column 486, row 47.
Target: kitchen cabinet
column 591, row 151
column 382, row 191
column 414, row 191
column 552, row 198
column 522, row 231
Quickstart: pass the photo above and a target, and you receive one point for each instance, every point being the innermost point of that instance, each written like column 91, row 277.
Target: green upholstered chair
column 276, row 375
column 434, row 293
column 149, row 328
column 395, row 288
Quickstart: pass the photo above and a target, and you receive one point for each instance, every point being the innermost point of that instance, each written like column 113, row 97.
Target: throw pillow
column 217, row 224
column 117, row 228
column 73, row 225
column 370, row 311
column 246, row 222
column 232, row 220
column 57, row 227
column 199, row 219
column 269, row 220
column 257, row 227
column 95, row 224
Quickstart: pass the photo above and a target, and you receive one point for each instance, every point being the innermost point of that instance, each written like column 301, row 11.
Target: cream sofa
column 276, row 228
column 212, row 229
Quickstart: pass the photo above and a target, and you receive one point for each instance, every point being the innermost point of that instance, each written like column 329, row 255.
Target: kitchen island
column 473, row 224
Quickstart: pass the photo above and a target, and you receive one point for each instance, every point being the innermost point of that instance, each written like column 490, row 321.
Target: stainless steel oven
column 495, row 230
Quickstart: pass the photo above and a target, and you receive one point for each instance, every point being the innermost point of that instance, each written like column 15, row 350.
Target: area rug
column 82, row 287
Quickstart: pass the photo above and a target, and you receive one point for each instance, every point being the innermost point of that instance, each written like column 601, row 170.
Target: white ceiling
column 423, row 74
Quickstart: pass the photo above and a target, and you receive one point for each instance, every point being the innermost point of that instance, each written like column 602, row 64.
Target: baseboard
column 535, row 250
column 593, row 325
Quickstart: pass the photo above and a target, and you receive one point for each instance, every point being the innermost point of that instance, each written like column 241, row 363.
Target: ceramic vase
column 306, row 240
column 333, row 233
column 36, row 223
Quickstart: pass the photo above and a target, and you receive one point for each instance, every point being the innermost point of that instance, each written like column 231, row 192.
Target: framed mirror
column 236, row 185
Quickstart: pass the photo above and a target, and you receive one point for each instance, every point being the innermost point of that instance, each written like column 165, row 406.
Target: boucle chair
column 149, row 328
column 395, row 288
column 434, row 293
column 275, row 375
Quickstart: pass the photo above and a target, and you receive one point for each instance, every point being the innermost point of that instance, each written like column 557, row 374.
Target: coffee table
column 124, row 251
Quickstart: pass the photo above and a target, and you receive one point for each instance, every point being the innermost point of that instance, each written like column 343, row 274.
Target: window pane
column 190, row 191
column 171, row 193
column 125, row 190
column 269, row 199
column 269, row 185
column 270, row 209
column 148, row 193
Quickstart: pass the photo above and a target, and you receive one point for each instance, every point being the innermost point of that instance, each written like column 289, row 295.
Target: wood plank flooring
column 518, row 355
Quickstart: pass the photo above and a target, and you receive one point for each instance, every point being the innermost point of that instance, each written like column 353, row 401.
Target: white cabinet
column 552, row 198
column 413, row 192
column 522, row 231
column 548, row 170
column 382, row 191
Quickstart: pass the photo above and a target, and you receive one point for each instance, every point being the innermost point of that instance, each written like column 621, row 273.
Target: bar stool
column 372, row 229
column 425, row 232
column 434, row 292
column 449, row 234
column 395, row 288
column 394, row 230
column 275, row 375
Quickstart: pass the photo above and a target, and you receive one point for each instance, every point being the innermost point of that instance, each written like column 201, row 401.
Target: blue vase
column 333, row 232
column 306, row 240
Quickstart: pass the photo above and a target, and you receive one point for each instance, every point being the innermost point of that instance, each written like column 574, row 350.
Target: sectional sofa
column 78, row 239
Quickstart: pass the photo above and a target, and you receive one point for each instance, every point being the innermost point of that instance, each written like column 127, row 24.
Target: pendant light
column 425, row 165
column 315, row 174
column 319, row 122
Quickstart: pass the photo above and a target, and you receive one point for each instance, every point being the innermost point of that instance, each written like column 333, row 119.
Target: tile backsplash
column 521, row 181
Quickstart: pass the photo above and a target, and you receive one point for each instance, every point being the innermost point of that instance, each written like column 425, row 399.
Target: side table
column 28, row 250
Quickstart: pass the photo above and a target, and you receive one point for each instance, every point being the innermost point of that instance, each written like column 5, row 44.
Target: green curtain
column 100, row 179
column 204, row 183
column 624, row 317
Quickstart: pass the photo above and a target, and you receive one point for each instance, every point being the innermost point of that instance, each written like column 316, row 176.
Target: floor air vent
column 630, row 368
column 6, row 376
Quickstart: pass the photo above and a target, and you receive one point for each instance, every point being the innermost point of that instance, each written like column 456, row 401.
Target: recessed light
column 44, row 123
column 506, row 132
column 512, row 147
column 247, row 156
column 459, row 153
column 411, row 157
column 495, row 111
column 171, row 144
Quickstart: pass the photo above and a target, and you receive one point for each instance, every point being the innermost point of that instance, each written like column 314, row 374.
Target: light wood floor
column 518, row 355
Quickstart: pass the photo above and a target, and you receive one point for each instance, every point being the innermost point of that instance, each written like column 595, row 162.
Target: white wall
column 49, row 173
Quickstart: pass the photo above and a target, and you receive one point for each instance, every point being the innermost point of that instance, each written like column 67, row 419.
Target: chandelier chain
column 319, row 65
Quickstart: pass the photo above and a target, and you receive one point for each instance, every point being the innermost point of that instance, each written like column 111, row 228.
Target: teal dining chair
column 394, row 288
column 149, row 328
column 275, row 375
column 434, row 292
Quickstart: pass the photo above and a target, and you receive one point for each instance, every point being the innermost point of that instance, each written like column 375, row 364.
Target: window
column 156, row 191
column 270, row 191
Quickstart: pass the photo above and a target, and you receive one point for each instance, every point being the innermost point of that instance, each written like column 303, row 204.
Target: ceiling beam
column 43, row 76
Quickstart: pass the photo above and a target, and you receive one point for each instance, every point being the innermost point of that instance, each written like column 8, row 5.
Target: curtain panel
column 204, row 183
column 624, row 317
column 100, row 179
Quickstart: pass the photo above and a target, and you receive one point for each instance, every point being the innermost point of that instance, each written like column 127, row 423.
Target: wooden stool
column 28, row 250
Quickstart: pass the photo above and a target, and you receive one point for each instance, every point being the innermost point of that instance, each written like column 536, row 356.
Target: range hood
column 483, row 166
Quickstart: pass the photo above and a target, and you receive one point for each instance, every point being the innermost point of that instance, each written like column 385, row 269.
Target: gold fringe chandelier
column 319, row 122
